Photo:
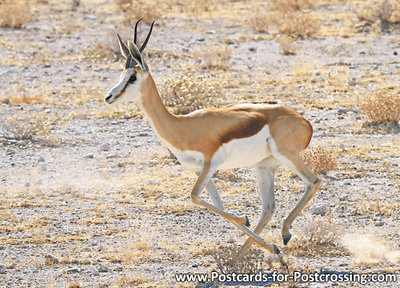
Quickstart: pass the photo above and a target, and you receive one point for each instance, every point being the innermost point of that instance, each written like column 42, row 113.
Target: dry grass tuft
column 287, row 17
column 74, row 285
column 24, row 95
column 259, row 21
column 102, row 51
column 291, row 5
column 228, row 262
column 215, row 58
column 130, row 282
column 38, row 126
column 123, row 4
column 107, row 47
column 286, row 43
column 135, row 9
column 384, row 13
column 14, row 14
column 296, row 24
column 320, row 236
column 188, row 93
column 320, row 160
column 381, row 107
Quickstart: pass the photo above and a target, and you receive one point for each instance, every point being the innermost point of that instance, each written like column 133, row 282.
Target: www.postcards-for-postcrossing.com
column 295, row 276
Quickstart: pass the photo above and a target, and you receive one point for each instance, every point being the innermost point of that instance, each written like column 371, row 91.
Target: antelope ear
column 122, row 47
column 134, row 51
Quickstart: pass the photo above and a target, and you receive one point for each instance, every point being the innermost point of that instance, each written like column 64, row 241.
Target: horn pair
column 135, row 37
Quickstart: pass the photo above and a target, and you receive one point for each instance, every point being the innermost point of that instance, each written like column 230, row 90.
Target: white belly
column 237, row 153
column 192, row 160
column 244, row 152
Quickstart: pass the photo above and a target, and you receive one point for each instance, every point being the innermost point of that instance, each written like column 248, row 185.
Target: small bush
column 37, row 127
column 227, row 259
column 287, row 17
column 296, row 24
column 135, row 9
column 320, row 236
column 259, row 22
column 382, row 107
column 286, row 43
column 291, row 5
column 123, row 4
column 385, row 13
column 320, row 160
column 188, row 93
column 14, row 14
column 216, row 58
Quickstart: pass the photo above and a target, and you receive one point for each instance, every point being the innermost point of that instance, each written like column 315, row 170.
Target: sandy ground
column 90, row 198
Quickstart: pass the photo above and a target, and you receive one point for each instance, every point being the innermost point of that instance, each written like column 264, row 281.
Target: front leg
column 204, row 178
column 212, row 191
column 265, row 173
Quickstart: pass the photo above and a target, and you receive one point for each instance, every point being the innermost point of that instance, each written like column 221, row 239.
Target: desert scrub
column 384, row 13
column 37, row 127
column 147, row 9
column 287, row 17
column 14, row 14
column 215, row 58
column 320, row 160
column 296, row 24
column 227, row 261
column 286, row 44
column 381, row 107
column 291, row 5
column 188, row 93
column 320, row 236
column 105, row 49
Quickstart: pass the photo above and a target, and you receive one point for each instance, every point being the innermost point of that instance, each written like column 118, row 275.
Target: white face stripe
column 126, row 91
column 117, row 91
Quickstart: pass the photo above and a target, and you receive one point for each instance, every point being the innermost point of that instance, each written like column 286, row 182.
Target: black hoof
column 286, row 239
column 247, row 224
column 276, row 250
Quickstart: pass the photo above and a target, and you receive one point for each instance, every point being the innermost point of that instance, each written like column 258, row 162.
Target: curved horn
column 147, row 38
column 135, row 36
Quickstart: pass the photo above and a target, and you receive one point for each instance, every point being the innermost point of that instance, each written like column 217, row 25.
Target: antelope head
column 130, row 81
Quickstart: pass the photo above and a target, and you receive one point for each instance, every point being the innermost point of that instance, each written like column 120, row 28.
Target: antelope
column 264, row 135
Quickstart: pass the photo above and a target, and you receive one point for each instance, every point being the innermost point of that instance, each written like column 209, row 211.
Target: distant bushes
column 14, row 14
column 382, row 107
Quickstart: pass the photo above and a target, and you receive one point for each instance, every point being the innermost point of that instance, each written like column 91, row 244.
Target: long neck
column 159, row 117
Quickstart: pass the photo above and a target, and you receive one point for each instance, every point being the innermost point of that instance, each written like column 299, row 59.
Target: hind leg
column 295, row 163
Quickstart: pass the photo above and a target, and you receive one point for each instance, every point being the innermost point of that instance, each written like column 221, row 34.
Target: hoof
column 287, row 238
column 247, row 224
column 276, row 250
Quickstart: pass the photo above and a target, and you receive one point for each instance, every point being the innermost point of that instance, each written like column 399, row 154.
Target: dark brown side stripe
column 246, row 128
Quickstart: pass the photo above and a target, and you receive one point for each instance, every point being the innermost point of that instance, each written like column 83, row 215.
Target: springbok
column 261, row 134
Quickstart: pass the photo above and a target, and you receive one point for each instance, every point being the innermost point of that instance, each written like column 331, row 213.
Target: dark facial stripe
column 120, row 93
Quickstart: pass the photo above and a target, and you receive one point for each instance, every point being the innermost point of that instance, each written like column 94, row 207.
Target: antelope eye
column 132, row 79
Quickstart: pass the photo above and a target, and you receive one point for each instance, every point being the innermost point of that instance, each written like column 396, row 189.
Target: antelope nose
column 108, row 97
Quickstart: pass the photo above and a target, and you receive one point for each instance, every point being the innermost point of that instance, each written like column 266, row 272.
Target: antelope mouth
column 110, row 98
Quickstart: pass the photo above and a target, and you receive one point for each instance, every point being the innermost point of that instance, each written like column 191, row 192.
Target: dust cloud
column 368, row 249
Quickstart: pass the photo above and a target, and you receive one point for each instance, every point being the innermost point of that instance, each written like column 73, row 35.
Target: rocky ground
column 89, row 197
